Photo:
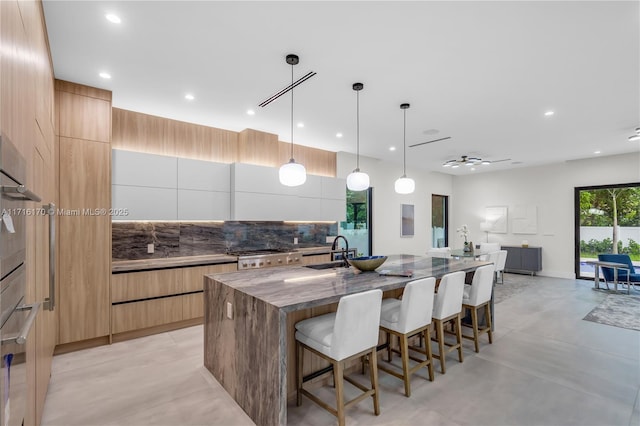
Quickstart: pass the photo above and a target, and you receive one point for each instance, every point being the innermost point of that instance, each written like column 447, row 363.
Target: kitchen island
column 249, row 322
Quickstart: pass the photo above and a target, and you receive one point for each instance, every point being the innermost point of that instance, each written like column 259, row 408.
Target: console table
column 523, row 259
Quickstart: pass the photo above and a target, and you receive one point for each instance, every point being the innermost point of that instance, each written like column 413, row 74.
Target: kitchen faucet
column 344, row 250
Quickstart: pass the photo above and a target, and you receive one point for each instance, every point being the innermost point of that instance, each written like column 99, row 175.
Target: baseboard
column 78, row 346
column 134, row 334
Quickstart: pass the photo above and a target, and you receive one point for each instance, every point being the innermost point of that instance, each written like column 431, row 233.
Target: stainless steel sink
column 328, row 265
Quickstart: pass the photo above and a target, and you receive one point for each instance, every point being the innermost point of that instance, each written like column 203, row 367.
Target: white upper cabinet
column 156, row 187
column 257, row 194
column 203, row 190
column 203, row 175
column 140, row 169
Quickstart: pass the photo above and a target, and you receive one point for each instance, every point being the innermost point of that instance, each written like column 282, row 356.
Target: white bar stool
column 405, row 318
column 350, row 332
column 447, row 306
column 476, row 296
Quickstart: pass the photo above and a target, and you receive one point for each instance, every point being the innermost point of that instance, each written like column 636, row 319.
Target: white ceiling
column 483, row 73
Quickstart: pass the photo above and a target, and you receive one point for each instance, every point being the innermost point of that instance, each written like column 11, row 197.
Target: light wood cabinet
column 84, row 228
column 145, row 314
column 164, row 299
column 27, row 117
column 192, row 306
column 145, row 285
column 194, row 277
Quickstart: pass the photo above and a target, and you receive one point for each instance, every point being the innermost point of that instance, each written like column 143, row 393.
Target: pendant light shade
column 405, row 185
column 292, row 173
column 357, row 180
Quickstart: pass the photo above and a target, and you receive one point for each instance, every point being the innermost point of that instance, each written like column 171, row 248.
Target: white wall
column 386, row 203
column 551, row 189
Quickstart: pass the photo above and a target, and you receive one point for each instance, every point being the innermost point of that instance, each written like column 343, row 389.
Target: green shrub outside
column 594, row 247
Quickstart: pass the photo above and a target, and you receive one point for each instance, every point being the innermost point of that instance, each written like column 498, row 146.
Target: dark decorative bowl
column 367, row 263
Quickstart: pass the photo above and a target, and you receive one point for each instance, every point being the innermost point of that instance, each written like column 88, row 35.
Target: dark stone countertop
column 294, row 288
column 170, row 262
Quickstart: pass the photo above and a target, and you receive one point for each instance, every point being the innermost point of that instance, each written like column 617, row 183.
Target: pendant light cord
column 291, row 112
column 358, row 130
column 404, row 146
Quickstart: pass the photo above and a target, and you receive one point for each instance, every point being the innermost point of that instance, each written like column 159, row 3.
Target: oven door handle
column 50, row 302
column 21, row 190
column 21, row 338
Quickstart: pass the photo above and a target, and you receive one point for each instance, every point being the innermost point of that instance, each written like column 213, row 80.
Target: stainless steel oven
column 16, row 317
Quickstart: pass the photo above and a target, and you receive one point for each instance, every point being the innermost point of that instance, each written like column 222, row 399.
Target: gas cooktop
column 257, row 252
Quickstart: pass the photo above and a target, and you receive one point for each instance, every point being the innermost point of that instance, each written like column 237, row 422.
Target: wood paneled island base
column 249, row 318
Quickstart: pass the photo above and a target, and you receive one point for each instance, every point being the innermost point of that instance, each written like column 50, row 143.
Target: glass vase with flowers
column 463, row 231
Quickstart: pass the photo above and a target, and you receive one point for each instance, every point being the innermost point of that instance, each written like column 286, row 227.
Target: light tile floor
column 546, row 367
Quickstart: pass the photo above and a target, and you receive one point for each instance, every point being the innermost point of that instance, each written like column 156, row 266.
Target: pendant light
column 405, row 185
column 357, row 180
column 292, row 173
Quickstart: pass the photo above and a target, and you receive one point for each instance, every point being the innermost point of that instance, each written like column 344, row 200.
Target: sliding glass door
column 607, row 220
column 439, row 221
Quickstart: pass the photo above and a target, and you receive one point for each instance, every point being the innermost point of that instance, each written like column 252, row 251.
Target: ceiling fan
column 465, row 160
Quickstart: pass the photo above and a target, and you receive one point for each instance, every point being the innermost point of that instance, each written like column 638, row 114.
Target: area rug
column 513, row 284
column 618, row 310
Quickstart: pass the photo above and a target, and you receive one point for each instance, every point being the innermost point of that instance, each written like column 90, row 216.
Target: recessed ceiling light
column 113, row 18
column 392, row 148
column 301, row 125
column 549, row 113
column 338, row 135
column 596, row 152
column 105, row 75
column 189, row 97
column 251, row 112
column 634, row 138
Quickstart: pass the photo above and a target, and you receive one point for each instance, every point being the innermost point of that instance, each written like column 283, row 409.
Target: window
column 607, row 221
column 357, row 227
column 439, row 221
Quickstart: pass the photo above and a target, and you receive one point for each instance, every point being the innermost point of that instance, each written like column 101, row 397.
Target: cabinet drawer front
column 148, row 313
column 193, row 278
column 192, row 306
column 146, row 284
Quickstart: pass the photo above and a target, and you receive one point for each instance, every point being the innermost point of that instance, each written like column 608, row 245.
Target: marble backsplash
column 173, row 239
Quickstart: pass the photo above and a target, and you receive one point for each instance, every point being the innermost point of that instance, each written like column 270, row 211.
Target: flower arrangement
column 464, row 232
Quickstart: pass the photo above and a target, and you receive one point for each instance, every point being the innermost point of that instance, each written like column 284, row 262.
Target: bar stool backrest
column 448, row 300
column 481, row 286
column 356, row 324
column 417, row 304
